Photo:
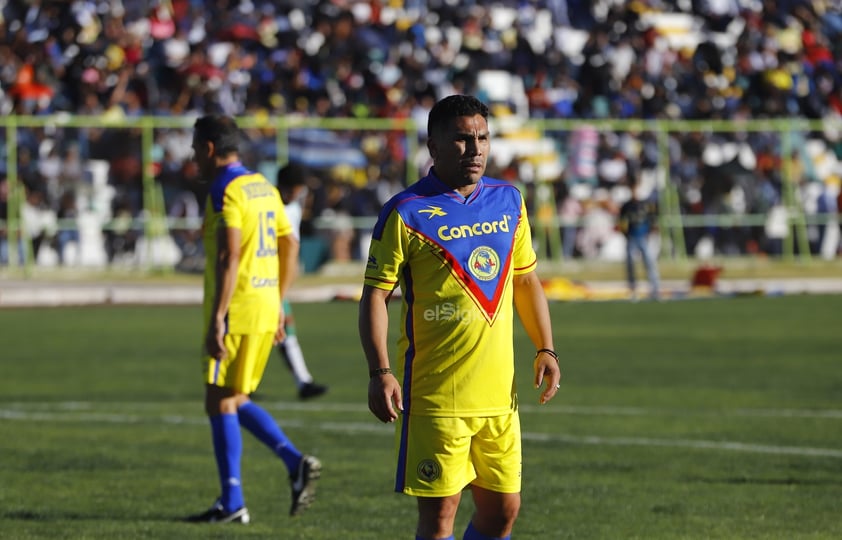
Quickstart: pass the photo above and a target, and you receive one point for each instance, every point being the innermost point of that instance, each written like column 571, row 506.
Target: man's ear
column 210, row 148
column 431, row 146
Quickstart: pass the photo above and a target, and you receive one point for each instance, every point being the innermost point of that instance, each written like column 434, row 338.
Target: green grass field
column 677, row 420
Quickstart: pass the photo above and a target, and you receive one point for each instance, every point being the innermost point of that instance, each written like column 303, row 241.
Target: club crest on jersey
column 433, row 211
column 484, row 263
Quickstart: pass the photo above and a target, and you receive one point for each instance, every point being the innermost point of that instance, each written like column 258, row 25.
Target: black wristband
column 548, row 351
column 379, row 371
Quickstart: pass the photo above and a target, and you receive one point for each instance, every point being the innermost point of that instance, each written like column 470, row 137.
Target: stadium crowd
column 573, row 59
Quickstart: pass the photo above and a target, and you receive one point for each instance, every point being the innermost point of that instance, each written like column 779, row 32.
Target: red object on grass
column 705, row 276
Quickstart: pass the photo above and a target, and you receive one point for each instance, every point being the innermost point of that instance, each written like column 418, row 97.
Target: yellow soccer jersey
column 242, row 199
column 454, row 259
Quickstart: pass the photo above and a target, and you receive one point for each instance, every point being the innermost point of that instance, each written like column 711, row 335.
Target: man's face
column 460, row 151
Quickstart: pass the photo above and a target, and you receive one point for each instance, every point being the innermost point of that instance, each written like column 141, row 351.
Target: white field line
column 696, row 444
column 89, row 412
column 583, row 410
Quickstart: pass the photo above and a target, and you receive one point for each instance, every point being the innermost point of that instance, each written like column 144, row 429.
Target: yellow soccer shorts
column 439, row 457
column 243, row 368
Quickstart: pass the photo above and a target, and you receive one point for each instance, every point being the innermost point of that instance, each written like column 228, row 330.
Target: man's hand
column 546, row 369
column 215, row 341
column 384, row 397
column 281, row 332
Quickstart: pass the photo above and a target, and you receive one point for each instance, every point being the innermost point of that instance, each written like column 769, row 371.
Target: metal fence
column 99, row 191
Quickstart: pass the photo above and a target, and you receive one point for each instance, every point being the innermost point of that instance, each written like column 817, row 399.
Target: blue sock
column 261, row 424
column 228, row 448
column 448, row 538
column 473, row 534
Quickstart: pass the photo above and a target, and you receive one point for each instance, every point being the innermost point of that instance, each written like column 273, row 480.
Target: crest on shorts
column 429, row 470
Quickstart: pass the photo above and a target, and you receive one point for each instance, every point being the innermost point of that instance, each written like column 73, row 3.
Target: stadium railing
column 363, row 141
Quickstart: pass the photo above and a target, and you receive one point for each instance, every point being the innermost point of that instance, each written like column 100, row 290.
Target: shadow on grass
column 41, row 516
column 34, row 515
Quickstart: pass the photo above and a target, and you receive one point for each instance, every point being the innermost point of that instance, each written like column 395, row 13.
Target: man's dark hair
column 451, row 107
column 292, row 174
column 220, row 130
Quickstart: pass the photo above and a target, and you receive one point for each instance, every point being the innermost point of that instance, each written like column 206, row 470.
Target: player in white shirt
column 292, row 184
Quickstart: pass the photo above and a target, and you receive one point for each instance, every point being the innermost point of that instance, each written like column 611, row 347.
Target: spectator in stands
column 38, row 221
column 637, row 220
column 118, row 59
column 570, row 212
column 5, row 249
column 120, row 233
column 67, row 231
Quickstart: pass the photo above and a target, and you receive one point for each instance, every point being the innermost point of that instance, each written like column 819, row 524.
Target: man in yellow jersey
column 252, row 254
column 459, row 246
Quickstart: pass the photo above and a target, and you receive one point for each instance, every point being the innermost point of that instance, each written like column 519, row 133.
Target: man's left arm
column 534, row 312
column 287, row 270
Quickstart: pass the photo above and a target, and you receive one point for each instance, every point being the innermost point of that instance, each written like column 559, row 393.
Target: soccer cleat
column 303, row 484
column 217, row 514
column 311, row 390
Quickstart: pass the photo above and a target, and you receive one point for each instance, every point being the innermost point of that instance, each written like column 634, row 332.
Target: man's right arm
column 227, row 264
column 384, row 391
